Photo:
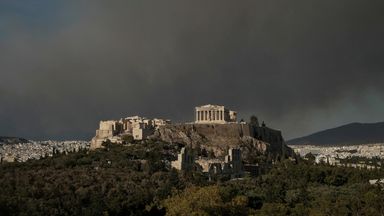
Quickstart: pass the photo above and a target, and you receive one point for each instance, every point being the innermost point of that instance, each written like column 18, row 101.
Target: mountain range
column 350, row 134
column 12, row 140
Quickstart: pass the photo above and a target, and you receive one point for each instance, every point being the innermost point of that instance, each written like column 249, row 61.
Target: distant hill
column 350, row 134
column 12, row 140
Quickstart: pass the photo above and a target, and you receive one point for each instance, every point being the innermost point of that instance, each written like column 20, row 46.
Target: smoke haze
column 301, row 65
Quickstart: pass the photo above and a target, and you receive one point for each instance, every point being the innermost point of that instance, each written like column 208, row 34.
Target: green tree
column 127, row 138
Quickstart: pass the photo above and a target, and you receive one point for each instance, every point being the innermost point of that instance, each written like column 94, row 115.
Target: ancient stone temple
column 214, row 114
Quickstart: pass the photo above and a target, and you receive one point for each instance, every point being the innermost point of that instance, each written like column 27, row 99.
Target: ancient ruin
column 230, row 165
column 215, row 129
column 214, row 114
column 185, row 160
column 137, row 127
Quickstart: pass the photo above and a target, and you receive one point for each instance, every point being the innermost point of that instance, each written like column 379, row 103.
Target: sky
column 301, row 66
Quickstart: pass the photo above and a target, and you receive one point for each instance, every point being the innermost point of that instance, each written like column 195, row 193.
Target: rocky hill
column 219, row 137
column 350, row 134
column 12, row 140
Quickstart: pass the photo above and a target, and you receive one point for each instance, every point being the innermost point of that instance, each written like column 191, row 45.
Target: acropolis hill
column 215, row 129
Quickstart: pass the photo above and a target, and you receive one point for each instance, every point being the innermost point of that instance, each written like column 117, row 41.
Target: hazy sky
column 300, row 65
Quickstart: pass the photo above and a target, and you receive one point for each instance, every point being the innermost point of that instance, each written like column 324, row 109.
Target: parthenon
column 214, row 114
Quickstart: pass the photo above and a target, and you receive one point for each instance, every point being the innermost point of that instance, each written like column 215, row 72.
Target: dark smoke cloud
column 300, row 65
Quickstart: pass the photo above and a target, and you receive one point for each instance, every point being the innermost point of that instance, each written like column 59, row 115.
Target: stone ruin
column 138, row 127
column 231, row 165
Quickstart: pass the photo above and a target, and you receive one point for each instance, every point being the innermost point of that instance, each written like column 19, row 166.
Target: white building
column 109, row 128
column 216, row 114
column 138, row 127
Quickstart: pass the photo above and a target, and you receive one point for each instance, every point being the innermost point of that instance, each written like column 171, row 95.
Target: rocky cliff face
column 219, row 137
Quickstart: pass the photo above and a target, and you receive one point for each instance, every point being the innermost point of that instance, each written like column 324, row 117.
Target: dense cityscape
column 337, row 155
column 21, row 152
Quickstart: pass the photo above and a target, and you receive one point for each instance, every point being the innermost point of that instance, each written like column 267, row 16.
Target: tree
column 275, row 209
column 127, row 138
column 254, row 121
column 205, row 201
column 310, row 157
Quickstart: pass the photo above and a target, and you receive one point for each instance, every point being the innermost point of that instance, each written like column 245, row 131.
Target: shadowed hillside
column 355, row 133
column 136, row 179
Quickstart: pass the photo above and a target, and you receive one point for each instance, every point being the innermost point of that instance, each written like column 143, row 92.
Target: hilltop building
column 138, row 127
column 214, row 114
column 215, row 126
column 108, row 129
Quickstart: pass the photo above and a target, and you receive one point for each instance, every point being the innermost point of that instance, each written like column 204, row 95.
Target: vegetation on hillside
column 136, row 179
